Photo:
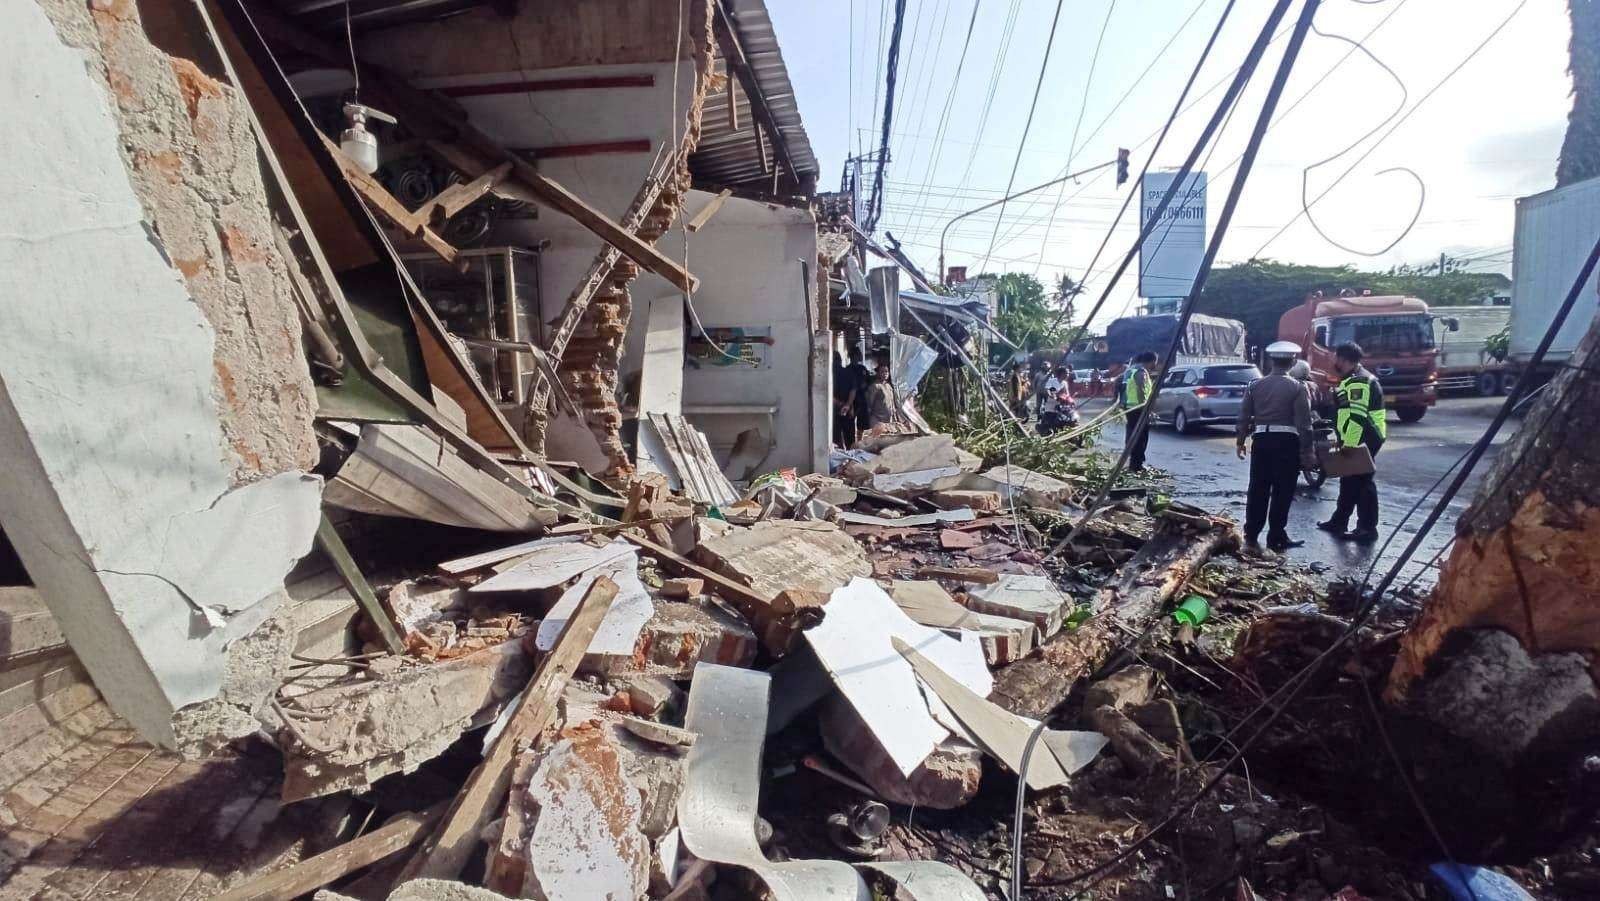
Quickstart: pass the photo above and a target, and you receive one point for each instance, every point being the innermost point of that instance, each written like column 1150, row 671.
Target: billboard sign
column 1170, row 257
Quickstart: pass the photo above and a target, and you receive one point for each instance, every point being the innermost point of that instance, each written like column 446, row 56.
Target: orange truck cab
column 1396, row 333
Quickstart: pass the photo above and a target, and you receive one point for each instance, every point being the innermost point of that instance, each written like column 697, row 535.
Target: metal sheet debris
column 630, row 609
column 1003, row 734
column 490, row 558
column 550, row 565
column 963, row 514
column 855, row 644
column 927, row 880
column 717, row 810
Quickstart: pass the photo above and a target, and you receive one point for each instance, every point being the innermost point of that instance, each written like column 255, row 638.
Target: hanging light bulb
column 357, row 143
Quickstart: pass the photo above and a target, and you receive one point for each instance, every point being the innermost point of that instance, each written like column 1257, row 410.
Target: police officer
column 1359, row 420
column 1275, row 418
column 1132, row 398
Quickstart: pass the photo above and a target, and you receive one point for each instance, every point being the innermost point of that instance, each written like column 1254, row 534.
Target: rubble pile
column 831, row 684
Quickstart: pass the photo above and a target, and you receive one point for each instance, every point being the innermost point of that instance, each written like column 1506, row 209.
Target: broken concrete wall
column 620, row 87
column 747, row 257
column 155, row 402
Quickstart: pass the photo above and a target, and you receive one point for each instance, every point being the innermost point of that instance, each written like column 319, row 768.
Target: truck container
column 1396, row 334
column 1208, row 339
column 1462, row 334
column 1554, row 233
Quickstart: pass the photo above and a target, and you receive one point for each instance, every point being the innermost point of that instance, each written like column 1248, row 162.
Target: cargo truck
column 1554, row 233
column 1395, row 332
column 1465, row 363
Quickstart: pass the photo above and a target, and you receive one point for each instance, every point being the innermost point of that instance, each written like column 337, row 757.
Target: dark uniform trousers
column 1137, row 447
column 1359, row 495
column 1274, row 467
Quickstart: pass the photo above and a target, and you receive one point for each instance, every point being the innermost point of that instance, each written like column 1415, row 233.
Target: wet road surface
column 1206, row 473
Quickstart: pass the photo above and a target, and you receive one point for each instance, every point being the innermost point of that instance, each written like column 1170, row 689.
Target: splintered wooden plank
column 313, row 873
column 392, row 210
column 455, row 839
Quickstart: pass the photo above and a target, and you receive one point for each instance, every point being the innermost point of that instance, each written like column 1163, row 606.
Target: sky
column 1459, row 156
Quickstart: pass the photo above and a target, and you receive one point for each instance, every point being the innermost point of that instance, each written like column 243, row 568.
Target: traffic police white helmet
column 1283, row 349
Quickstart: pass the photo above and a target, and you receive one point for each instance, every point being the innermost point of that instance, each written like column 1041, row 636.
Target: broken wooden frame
column 239, row 49
column 456, row 837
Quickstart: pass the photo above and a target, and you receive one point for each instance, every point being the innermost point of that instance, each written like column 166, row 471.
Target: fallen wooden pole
column 1036, row 686
column 400, row 833
column 452, row 843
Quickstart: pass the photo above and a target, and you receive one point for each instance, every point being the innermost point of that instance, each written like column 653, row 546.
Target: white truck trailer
column 1554, row 233
column 1462, row 334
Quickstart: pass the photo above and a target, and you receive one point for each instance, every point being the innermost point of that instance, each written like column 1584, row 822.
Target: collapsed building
column 418, row 422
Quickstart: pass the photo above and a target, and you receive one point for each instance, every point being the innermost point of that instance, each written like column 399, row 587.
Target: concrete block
column 648, row 696
column 441, row 890
column 947, row 779
column 366, row 729
column 1035, row 599
column 778, row 554
column 678, row 636
column 682, row 588
column 978, row 501
column 1029, row 487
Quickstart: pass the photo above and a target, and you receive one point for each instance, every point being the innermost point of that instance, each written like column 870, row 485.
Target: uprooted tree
column 1502, row 663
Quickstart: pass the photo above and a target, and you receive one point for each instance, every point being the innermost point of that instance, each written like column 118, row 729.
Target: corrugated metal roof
column 733, row 158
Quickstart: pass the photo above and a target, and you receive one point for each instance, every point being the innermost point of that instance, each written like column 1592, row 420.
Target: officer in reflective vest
column 1275, row 420
column 1132, row 398
column 1359, row 420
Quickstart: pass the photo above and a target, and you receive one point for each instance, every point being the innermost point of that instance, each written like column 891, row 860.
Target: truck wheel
column 1487, row 384
column 1411, row 414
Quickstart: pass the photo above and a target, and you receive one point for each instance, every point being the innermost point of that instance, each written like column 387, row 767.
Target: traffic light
column 1122, row 166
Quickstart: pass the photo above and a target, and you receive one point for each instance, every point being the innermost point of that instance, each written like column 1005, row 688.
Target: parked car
column 1196, row 396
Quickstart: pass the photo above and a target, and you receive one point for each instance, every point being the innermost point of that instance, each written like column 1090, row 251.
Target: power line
column 949, row 101
column 1027, row 125
column 876, row 204
column 1072, row 145
column 1305, row 207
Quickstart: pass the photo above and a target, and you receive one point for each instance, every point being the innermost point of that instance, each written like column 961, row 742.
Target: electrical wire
column 1278, row 702
column 1472, row 54
column 350, row 41
column 1072, row 145
column 944, row 116
column 1305, row 174
column 875, row 204
column 1027, row 126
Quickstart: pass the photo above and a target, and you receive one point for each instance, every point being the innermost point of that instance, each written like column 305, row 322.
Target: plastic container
column 1193, row 611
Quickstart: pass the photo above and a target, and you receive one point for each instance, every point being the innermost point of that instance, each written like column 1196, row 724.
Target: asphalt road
column 1206, row 473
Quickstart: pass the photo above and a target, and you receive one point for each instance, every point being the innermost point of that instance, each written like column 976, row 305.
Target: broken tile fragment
column 947, row 777
column 682, row 588
column 773, row 555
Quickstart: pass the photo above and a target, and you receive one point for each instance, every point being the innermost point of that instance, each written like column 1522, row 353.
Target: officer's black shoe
column 1252, row 544
column 1334, row 528
column 1363, row 536
column 1283, row 544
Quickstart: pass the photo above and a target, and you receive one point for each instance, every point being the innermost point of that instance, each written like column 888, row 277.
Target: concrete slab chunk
column 774, row 555
column 1032, row 598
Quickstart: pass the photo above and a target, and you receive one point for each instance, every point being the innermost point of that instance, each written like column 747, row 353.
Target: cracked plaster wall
column 155, row 403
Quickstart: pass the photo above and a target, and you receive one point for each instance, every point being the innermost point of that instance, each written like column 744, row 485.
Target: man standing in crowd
column 1275, row 418
column 1132, row 398
column 1359, row 421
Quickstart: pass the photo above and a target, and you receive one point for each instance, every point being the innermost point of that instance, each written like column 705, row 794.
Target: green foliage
column 1580, row 150
column 1028, row 316
column 1498, row 345
column 1260, row 291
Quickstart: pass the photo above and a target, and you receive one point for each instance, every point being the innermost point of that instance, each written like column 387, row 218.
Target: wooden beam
column 473, row 162
column 350, row 574
column 709, row 210
column 437, row 118
column 452, row 843
column 739, row 66
column 305, row 877
column 386, row 206
column 456, row 198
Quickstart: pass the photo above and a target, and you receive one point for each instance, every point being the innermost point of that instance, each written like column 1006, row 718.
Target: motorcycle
column 1321, row 437
column 1063, row 417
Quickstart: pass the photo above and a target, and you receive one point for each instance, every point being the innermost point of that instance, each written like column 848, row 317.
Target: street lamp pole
column 1120, row 162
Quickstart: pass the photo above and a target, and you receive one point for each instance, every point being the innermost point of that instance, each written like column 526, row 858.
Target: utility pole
column 1441, row 262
